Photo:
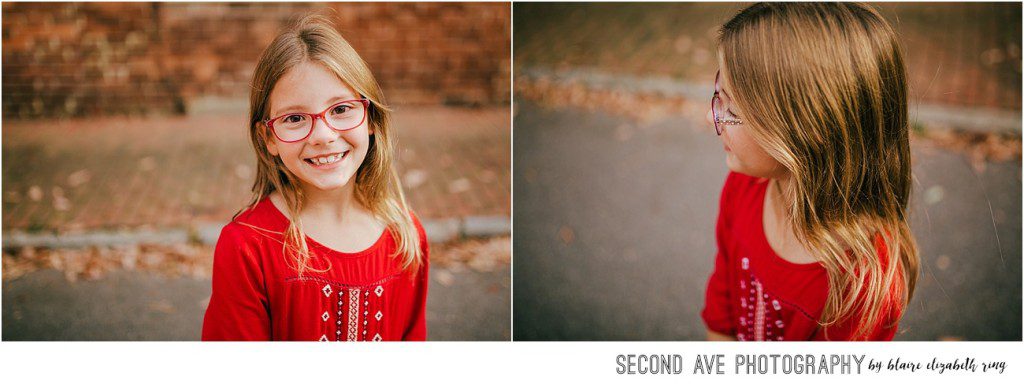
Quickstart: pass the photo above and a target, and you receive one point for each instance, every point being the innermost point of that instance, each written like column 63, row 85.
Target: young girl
column 327, row 250
column 813, row 243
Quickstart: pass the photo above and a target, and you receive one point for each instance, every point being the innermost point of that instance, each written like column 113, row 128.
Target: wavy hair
column 313, row 38
column 824, row 91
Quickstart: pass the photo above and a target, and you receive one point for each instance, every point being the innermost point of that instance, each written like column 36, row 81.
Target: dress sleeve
column 238, row 309
column 716, row 313
column 417, row 330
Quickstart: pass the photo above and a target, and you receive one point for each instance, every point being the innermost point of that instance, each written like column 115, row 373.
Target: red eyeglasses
column 722, row 116
column 341, row 116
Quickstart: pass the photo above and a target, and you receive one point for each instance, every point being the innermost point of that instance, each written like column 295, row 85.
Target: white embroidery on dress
column 745, row 263
column 324, row 337
column 379, row 290
column 376, row 337
column 326, row 316
column 353, row 313
column 327, row 290
column 759, row 312
column 379, row 315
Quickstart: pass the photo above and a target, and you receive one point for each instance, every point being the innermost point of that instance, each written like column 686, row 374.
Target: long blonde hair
column 313, row 38
column 823, row 88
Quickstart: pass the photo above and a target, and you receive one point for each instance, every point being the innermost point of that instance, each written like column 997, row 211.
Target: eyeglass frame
column 720, row 121
column 322, row 115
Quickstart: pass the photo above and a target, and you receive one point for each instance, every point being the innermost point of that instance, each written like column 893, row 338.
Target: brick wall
column 88, row 59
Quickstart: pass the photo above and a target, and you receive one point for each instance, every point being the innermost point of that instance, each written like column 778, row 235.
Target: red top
column 257, row 294
column 754, row 294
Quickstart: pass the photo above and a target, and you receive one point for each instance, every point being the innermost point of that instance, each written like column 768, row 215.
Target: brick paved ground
column 164, row 172
column 957, row 54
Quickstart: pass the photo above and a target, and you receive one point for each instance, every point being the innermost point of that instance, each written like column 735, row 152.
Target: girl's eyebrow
column 330, row 102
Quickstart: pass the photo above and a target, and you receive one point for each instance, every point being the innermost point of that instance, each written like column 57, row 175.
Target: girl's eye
column 291, row 119
column 341, row 109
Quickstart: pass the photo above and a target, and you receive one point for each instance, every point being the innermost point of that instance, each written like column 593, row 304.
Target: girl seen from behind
column 813, row 241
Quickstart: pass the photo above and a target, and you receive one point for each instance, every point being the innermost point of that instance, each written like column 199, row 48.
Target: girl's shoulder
column 736, row 181
column 260, row 220
column 742, row 190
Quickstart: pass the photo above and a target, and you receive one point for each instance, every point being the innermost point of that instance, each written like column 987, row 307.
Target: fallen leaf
column 460, row 185
column 242, row 171
column 934, row 194
column 414, row 178
column 147, row 164
column 444, row 277
column 567, row 235
column 35, row 193
column 79, row 177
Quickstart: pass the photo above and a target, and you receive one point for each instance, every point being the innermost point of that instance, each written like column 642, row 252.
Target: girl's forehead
column 308, row 86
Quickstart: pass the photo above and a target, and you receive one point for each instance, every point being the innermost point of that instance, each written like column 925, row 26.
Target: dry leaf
column 79, row 177
column 567, row 235
column 35, row 193
column 414, row 178
column 460, row 185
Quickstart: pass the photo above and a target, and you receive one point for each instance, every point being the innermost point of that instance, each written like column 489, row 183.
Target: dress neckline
column 762, row 236
column 373, row 248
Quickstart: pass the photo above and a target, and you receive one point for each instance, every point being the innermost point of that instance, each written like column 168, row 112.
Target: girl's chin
column 328, row 184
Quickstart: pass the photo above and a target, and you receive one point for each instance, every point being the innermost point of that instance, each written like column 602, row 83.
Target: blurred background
column 125, row 149
column 617, row 174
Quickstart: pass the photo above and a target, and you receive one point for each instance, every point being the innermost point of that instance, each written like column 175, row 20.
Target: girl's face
column 742, row 153
column 327, row 159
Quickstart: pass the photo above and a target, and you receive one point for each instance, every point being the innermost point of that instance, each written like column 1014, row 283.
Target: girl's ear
column 269, row 138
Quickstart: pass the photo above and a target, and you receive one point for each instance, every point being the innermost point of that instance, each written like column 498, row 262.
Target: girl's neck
column 334, row 204
column 778, row 224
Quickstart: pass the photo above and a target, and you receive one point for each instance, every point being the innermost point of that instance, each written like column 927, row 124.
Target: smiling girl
column 813, row 242
column 327, row 249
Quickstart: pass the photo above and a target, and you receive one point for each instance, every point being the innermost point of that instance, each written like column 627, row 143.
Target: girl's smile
column 327, row 161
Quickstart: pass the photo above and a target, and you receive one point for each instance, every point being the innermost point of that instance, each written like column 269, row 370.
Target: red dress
column 753, row 294
column 257, row 295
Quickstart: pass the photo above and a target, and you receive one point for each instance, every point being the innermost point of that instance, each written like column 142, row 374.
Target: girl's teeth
column 326, row 160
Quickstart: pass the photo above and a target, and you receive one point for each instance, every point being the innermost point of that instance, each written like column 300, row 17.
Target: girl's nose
column 322, row 133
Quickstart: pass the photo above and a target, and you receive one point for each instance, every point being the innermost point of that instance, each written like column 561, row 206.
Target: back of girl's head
column 823, row 90
column 313, row 38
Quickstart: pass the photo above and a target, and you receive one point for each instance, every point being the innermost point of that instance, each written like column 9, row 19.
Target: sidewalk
column 162, row 296
column 178, row 172
column 620, row 246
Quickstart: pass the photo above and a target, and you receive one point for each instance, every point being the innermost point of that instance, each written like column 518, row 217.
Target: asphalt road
column 614, row 233
column 129, row 306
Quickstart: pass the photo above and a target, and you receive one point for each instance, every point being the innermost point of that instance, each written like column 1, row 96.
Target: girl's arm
column 238, row 308
column 717, row 315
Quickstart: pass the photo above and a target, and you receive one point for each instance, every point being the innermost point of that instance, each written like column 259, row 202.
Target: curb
column 438, row 231
column 968, row 118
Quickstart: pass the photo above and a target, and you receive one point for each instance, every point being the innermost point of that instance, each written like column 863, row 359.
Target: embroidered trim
column 353, row 314
column 759, row 312
column 343, row 285
column 341, row 305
